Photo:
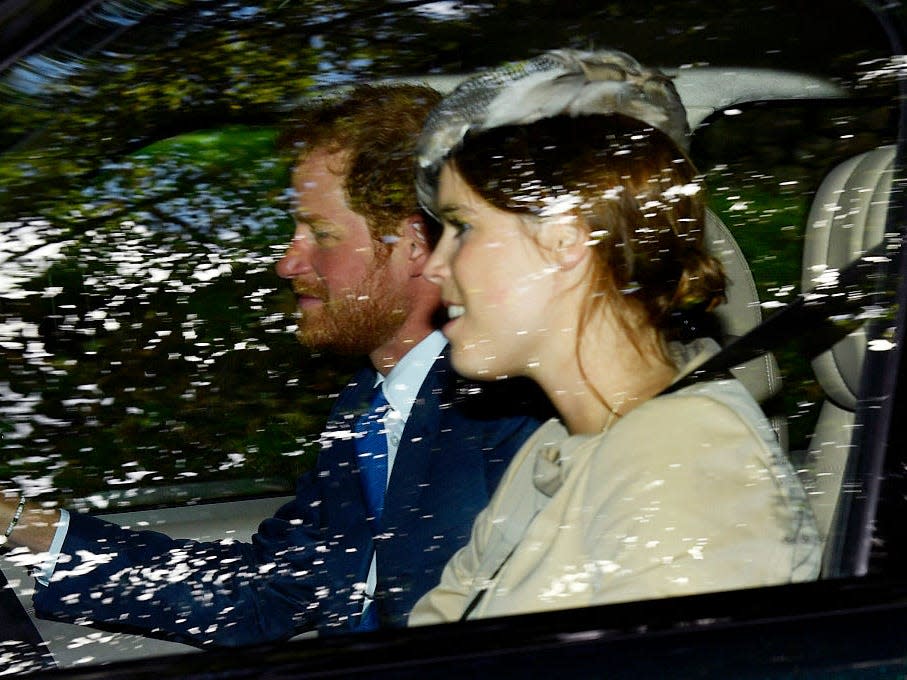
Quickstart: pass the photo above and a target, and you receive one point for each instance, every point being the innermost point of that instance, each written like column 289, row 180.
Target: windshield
column 149, row 360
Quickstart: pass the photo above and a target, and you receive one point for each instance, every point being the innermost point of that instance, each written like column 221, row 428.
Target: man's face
column 349, row 295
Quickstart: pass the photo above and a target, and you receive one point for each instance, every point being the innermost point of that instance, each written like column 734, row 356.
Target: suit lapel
column 343, row 517
column 411, row 467
column 343, row 489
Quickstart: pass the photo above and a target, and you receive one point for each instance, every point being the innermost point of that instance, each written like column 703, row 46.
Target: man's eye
column 322, row 235
column 318, row 233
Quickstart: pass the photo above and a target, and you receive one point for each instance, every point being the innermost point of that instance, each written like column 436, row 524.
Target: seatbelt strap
column 477, row 598
column 813, row 322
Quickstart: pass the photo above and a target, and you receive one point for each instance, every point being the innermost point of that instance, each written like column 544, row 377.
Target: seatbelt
column 815, row 320
column 19, row 639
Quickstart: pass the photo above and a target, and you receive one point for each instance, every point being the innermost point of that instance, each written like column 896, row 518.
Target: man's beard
column 359, row 322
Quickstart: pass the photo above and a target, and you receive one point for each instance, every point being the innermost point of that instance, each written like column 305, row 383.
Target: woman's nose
column 297, row 260
column 437, row 268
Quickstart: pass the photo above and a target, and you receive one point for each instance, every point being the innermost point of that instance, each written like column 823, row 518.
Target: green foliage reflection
column 153, row 342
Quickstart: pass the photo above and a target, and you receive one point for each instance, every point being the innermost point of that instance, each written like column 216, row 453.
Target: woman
column 572, row 253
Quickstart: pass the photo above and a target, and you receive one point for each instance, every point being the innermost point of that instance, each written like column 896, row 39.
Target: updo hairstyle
column 636, row 193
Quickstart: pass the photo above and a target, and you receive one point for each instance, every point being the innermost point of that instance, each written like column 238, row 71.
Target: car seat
column 846, row 219
column 741, row 313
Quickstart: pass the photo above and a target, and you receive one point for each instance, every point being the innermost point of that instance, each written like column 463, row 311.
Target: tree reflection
column 143, row 334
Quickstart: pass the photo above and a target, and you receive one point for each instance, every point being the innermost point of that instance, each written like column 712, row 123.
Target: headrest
column 847, row 218
column 741, row 312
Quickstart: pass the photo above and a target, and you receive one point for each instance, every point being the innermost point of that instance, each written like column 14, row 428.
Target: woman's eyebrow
column 451, row 211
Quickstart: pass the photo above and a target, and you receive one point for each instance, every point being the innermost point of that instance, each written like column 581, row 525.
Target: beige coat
column 688, row 493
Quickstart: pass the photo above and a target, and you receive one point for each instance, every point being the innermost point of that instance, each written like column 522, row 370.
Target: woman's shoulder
column 729, row 392
column 728, row 400
column 712, row 395
column 713, row 419
column 717, row 414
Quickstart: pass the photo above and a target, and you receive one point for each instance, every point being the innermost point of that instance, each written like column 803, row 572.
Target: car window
column 147, row 348
column 156, row 307
column 138, row 267
column 764, row 163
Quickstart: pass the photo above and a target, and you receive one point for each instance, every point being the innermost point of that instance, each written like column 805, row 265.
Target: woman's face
column 495, row 282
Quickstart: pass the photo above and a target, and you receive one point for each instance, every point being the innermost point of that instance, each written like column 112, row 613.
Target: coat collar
column 553, row 461
column 410, row 469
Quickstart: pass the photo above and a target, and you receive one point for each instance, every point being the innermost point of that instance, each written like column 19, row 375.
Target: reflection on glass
column 146, row 345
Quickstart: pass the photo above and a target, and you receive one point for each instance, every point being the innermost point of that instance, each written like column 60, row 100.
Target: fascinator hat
column 559, row 82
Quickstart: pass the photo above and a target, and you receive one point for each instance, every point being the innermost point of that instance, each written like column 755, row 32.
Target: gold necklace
column 613, row 415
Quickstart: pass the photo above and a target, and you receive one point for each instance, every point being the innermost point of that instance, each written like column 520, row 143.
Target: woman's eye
column 461, row 228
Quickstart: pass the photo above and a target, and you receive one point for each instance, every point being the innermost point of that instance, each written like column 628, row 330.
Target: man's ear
column 563, row 239
column 415, row 236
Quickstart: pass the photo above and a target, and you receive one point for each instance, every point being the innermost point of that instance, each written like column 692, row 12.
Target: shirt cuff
column 45, row 570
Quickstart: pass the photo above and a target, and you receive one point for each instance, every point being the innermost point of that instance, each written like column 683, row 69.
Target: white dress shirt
column 401, row 387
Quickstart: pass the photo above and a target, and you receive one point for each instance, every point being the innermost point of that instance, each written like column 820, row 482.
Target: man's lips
column 307, row 301
column 307, row 296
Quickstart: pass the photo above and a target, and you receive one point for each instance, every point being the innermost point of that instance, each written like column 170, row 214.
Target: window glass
column 147, row 352
column 138, row 293
column 763, row 164
column 146, row 340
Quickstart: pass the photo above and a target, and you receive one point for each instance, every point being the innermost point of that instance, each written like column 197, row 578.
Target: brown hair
column 636, row 193
column 377, row 125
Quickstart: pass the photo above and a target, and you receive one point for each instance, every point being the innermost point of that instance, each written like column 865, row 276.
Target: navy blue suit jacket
column 305, row 567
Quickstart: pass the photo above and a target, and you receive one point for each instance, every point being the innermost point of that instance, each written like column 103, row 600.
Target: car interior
column 849, row 212
column 847, row 217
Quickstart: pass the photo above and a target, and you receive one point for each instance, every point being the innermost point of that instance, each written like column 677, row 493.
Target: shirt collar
column 401, row 386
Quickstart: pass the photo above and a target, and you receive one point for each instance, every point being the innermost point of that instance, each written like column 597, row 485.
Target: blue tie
column 371, row 449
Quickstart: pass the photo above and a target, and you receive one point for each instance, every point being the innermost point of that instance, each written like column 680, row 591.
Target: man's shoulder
column 511, row 398
column 361, row 383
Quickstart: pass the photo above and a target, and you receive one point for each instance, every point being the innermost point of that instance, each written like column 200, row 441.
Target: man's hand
column 35, row 528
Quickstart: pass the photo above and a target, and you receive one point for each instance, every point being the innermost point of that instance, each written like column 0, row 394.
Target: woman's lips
column 454, row 312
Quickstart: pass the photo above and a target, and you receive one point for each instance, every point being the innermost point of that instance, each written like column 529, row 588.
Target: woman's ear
column 563, row 238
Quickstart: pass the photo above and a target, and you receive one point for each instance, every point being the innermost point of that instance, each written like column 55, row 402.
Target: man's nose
column 297, row 260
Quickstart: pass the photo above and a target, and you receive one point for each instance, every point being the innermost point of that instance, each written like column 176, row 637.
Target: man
column 333, row 559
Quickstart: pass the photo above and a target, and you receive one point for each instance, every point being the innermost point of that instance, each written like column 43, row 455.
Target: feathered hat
column 559, row 82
